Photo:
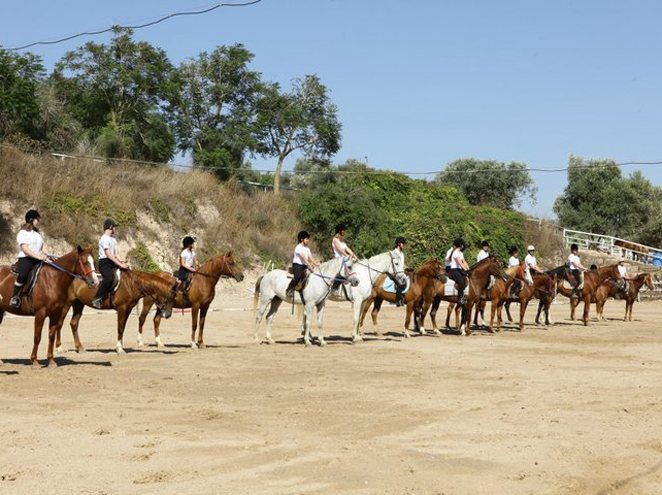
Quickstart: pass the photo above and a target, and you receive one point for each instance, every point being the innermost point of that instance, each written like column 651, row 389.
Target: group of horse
column 488, row 281
column 71, row 280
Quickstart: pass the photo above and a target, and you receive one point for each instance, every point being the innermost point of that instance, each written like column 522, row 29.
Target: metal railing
column 614, row 246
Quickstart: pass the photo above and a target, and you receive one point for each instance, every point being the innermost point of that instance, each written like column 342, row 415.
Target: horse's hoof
column 51, row 363
column 357, row 338
column 59, row 350
column 81, row 350
column 159, row 344
column 140, row 343
column 194, row 345
column 322, row 343
column 120, row 350
column 201, row 345
column 270, row 341
column 35, row 364
column 307, row 342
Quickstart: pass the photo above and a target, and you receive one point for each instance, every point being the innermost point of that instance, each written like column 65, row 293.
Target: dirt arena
column 558, row 410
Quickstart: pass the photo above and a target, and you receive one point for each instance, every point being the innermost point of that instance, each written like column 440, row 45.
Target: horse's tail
column 256, row 294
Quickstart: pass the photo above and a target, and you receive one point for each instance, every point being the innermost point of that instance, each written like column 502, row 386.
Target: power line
column 139, row 26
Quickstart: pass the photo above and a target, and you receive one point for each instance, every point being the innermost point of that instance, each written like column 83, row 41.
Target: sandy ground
column 558, row 410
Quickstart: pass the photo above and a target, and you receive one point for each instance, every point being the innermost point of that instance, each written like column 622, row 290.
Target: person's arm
column 183, row 265
column 39, row 256
column 115, row 259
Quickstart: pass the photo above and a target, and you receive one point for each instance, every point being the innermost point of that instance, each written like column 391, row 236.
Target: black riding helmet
column 459, row 242
column 187, row 241
column 303, row 235
column 340, row 227
column 574, row 247
column 31, row 215
column 400, row 240
column 109, row 223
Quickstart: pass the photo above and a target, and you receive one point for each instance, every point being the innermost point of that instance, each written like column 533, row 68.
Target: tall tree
column 302, row 120
column 119, row 93
column 214, row 113
column 488, row 182
column 20, row 76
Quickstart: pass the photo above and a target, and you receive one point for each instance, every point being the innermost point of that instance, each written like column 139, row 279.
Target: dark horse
column 543, row 288
column 609, row 288
column 592, row 280
column 479, row 277
column 133, row 286
column 49, row 296
column 199, row 296
column 421, row 285
column 558, row 274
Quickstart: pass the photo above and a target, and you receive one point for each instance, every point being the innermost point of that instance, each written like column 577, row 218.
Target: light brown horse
column 133, row 286
column 49, row 296
column 421, row 285
column 479, row 277
column 558, row 274
column 592, row 280
column 609, row 288
column 200, row 295
column 543, row 288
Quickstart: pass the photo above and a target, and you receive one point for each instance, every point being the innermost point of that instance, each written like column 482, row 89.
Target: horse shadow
column 131, row 351
column 60, row 361
column 8, row 372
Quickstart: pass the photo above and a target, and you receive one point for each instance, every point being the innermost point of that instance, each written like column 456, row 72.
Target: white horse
column 271, row 290
column 368, row 270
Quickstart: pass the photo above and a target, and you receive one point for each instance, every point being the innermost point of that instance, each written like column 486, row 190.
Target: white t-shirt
column 301, row 253
column 342, row 245
column 622, row 270
column 456, row 257
column 513, row 261
column 574, row 262
column 109, row 243
column 530, row 260
column 187, row 257
column 482, row 254
column 32, row 238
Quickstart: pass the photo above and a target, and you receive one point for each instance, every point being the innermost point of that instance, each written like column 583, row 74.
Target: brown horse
column 609, row 288
column 592, row 280
column 421, row 285
column 558, row 274
column 49, row 296
column 200, row 295
column 543, row 288
column 479, row 277
column 133, row 286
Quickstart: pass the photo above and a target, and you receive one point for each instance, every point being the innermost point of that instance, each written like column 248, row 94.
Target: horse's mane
column 429, row 269
column 152, row 279
column 556, row 271
column 326, row 264
column 491, row 257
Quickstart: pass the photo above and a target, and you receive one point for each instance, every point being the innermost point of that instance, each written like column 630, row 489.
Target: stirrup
column 15, row 302
column 97, row 303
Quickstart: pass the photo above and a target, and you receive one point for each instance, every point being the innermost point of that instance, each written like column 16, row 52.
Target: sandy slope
column 564, row 410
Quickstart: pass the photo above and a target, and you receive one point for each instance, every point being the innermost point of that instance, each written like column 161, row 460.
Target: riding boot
column 461, row 298
column 399, row 298
column 290, row 288
column 15, row 301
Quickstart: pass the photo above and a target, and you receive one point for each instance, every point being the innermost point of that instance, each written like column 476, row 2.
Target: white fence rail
column 614, row 246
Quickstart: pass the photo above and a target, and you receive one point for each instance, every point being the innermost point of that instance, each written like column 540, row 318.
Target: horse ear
column 79, row 249
column 229, row 253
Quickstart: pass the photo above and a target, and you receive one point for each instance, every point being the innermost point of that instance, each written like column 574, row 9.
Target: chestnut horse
column 592, row 280
column 133, row 286
column 479, row 278
column 543, row 288
column 421, row 285
column 49, row 295
column 558, row 274
column 609, row 288
column 200, row 295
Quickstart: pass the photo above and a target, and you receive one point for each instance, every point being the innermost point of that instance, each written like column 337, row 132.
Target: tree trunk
column 279, row 167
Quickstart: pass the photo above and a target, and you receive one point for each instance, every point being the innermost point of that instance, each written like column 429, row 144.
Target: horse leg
column 259, row 314
column 141, row 321
column 449, row 312
column 507, row 306
column 522, row 310
column 480, row 313
column 273, row 309
column 574, row 302
column 410, row 309
column 194, row 325
column 320, row 319
column 433, row 314
column 357, row 306
column 307, row 316
column 39, row 318
column 374, row 314
column 77, row 312
column 58, row 333
column 122, row 318
column 587, row 309
column 203, row 317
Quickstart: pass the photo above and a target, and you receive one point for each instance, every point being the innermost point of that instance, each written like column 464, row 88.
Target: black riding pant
column 458, row 277
column 299, row 271
column 578, row 279
column 107, row 269
column 23, row 266
column 183, row 274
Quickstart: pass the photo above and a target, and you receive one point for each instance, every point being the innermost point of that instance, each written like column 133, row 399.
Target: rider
column 576, row 267
column 484, row 251
column 187, row 262
column 302, row 260
column 30, row 254
column 339, row 246
column 530, row 260
column 514, row 256
column 399, row 250
column 622, row 285
column 458, row 270
column 108, row 261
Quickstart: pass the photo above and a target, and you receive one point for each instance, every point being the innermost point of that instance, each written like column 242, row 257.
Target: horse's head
column 85, row 266
column 230, row 268
column 398, row 269
column 347, row 272
column 648, row 281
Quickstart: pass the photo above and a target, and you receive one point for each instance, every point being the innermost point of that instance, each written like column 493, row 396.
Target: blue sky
column 419, row 84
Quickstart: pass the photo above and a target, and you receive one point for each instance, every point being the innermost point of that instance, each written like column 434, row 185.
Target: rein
column 64, row 270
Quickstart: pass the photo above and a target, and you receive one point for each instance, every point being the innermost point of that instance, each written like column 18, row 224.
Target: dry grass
column 75, row 195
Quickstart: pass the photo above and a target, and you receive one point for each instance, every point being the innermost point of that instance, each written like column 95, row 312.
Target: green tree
column 214, row 113
column 302, row 120
column 120, row 94
column 488, row 182
column 20, row 76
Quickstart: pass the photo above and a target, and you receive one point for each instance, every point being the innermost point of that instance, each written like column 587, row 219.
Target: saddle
column 33, row 276
column 114, row 288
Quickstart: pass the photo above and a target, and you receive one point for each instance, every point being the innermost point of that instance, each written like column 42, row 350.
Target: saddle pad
column 568, row 285
column 389, row 285
column 449, row 288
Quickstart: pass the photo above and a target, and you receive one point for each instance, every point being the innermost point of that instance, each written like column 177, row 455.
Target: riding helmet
column 340, row 227
column 574, row 247
column 531, row 248
column 109, row 223
column 303, row 235
column 459, row 242
column 31, row 215
column 400, row 240
column 188, row 241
